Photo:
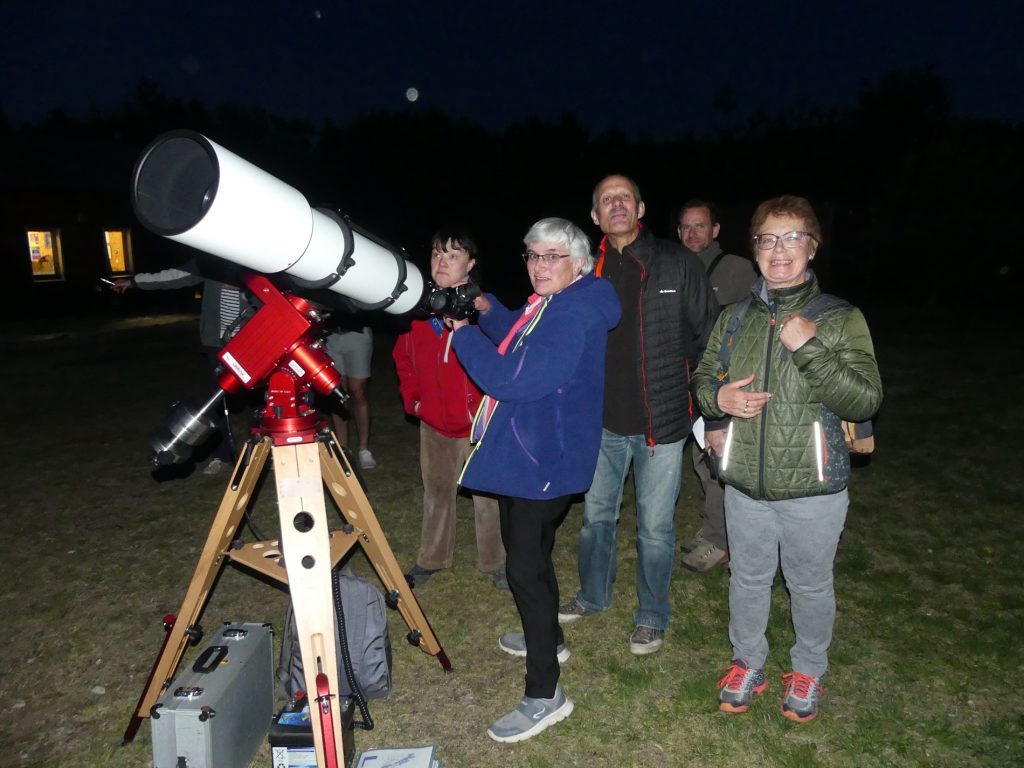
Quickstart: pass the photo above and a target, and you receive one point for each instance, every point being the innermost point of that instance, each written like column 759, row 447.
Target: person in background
column 731, row 277
column 668, row 310
column 222, row 306
column 350, row 345
column 436, row 390
column 537, row 435
column 787, row 384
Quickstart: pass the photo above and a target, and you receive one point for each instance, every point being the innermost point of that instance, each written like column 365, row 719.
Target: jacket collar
column 788, row 299
column 603, row 247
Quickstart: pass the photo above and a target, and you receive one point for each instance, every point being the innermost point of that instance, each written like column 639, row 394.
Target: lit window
column 45, row 254
column 119, row 251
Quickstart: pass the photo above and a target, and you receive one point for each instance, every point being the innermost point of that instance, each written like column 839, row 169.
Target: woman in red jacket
column 436, row 389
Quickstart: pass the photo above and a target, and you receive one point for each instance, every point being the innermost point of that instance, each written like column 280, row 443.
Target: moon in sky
column 411, row 94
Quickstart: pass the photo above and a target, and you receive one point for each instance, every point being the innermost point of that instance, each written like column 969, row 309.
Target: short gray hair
column 563, row 232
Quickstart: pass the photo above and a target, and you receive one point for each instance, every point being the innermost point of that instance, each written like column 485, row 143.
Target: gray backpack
column 364, row 661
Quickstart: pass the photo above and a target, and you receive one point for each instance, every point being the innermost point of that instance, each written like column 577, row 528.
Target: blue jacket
column 544, row 434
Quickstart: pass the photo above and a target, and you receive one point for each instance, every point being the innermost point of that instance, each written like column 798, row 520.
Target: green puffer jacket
column 795, row 448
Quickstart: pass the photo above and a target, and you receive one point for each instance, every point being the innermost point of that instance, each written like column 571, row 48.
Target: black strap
column 821, row 304
column 732, row 327
column 714, row 262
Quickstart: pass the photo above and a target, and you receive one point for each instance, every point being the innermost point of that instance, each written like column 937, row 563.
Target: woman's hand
column 456, row 324
column 482, row 304
column 795, row 331
column 743, row 405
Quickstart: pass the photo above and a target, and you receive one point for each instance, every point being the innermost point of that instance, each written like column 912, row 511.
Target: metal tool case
column 217, row 712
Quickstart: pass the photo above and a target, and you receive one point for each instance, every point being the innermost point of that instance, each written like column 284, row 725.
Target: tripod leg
column 306, row 546
column 354, row 506
column 185, row 628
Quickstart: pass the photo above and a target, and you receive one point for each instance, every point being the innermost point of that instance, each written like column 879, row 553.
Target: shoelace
column 800, row 685
column 734, row 678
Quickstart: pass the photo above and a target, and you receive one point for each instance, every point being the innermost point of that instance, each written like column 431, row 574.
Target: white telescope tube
column 193, row 191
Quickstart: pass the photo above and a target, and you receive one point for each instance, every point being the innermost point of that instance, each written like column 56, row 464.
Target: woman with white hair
column 536, row 436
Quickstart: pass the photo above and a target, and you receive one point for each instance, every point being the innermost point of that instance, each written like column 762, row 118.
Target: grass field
column 928, row 645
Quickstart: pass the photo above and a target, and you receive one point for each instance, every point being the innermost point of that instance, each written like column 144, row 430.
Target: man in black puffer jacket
column 668, row 310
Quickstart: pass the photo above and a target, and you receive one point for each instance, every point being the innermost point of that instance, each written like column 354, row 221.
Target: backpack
column 859, row 435
column 364, row 658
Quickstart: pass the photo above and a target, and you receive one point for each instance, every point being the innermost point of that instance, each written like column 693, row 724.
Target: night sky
column 654, row 68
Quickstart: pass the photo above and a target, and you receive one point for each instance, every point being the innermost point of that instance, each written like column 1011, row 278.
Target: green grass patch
column 927, row 646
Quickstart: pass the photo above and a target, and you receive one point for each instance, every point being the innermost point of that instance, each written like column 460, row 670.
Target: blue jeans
column 657, row 476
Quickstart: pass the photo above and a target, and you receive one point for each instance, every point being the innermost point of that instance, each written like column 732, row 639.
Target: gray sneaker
column 531, row 717
column 646, row 640
column 570, row 611
column 803, row 693
column 739, row 686
column 514, row 643
column 704, row 557
column 214, row 467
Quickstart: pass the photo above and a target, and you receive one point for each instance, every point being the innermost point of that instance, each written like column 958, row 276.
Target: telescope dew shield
column 190, row 189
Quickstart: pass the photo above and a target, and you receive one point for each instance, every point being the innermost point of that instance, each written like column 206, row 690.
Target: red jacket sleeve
column 405, row 366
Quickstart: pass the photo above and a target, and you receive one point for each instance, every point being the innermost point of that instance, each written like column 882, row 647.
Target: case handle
column 209, row 659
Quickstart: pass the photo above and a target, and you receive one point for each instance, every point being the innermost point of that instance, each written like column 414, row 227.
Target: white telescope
column 192, row 190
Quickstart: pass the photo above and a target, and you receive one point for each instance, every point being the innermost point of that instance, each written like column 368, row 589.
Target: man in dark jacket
column 668, row 309
column 731, row 277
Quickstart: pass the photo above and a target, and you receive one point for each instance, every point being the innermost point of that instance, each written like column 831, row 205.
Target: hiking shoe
column 366, row 460
column 531, row 717
column 704, row 557
column 418, row 575
column 500, row 578
column 739, row 687
column 571, row 610
column 646, row 640
column 514, row 644
column 214, row 467
column 691, row 543
column 800, row 703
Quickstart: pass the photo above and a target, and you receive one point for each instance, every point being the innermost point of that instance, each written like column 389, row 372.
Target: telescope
column 191, row 190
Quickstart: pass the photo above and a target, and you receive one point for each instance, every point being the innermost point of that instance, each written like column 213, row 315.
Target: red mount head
column 277, row 345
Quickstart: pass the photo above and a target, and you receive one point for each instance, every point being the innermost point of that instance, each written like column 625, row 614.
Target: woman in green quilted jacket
column 779, row 391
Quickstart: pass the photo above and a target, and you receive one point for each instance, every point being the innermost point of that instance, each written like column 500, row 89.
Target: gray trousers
column 805, row 532
column 712, row 514
column 441, row 461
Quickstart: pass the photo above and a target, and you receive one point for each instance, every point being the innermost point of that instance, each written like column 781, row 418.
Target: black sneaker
column 418, row 575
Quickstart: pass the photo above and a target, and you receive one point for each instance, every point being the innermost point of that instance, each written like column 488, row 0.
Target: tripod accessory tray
column 216, row 713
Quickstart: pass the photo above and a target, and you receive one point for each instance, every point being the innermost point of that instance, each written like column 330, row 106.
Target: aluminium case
column 217, row 712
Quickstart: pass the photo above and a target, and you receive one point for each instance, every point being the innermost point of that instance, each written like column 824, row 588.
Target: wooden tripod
column 300, row 473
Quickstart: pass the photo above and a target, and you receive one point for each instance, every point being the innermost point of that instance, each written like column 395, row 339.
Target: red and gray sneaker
column 739, row 687
column 803, row 693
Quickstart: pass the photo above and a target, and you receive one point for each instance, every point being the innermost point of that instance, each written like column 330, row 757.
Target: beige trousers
column 441, row 462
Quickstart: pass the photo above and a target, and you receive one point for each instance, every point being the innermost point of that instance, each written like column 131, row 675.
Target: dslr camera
column 455, row 302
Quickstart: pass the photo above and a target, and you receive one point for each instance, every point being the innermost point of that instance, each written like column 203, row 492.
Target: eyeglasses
column 548, row 258
column 789, row 240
